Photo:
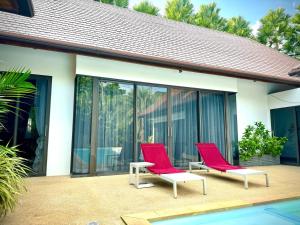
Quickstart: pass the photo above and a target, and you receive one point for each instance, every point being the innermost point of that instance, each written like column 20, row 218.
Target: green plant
column 12, row 172
column 13, row 87
column 258, row 141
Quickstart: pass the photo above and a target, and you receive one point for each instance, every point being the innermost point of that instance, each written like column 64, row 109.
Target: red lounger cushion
column 156, row 153
column 212, row 157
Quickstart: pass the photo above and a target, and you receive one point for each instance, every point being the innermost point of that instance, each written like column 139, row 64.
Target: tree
column 292, row 45
column 209, row 16
column 13, row 86
column 120, row 3
column 239, row 26
column 274, row 28
column 179, row 10
column 146, row 7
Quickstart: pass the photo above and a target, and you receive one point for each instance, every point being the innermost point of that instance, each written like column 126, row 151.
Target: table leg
column 190, row 167
column 137, row 176
column 130, row 174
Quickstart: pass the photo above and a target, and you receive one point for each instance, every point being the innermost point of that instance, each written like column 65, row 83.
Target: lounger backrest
column 210, row 154
column 156, row 153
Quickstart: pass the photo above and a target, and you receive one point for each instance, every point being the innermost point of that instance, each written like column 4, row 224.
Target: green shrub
column 258, row 141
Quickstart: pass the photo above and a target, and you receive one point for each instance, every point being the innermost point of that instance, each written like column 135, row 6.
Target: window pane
column 284, row 125
column 212, row 119
column 82, row 126
column 151, row 107
column 115, row 132
column 184, row 127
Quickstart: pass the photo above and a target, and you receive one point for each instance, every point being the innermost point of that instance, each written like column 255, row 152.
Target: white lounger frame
column 175, row 178
column 239, row 172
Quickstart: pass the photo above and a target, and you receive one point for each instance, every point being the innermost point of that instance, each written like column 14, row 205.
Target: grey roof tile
column 94, row 25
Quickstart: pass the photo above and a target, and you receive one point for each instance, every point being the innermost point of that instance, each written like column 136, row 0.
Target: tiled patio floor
column 65, row 200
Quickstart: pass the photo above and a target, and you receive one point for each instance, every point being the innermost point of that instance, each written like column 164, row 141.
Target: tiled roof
column 88, row 25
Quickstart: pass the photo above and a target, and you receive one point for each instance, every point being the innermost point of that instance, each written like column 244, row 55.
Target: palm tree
column 239, row 26
column 209, row 16
column 274, row 28
column 146, row 7
column 13, row 86
column 179, row 10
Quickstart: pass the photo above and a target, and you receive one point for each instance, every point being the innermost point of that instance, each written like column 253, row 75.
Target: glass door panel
column 212, row 119
column 184, row 127
column 115, row 127
column 151, row 116
column 82, row 125
column 284, row 125
column 27, row 126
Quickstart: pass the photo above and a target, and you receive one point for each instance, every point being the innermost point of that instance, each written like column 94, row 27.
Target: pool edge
column 145, row 218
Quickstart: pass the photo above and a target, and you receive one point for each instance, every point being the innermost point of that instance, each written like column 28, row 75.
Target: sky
column 251, row 10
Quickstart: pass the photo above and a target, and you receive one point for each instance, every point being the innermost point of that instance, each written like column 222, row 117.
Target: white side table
column 137, row 166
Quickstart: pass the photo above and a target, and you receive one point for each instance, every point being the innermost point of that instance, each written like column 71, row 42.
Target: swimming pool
column 280, row 213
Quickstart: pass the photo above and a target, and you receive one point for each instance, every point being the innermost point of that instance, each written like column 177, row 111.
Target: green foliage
column 258, row 141
column 146, row 7
column 12, row 172
column 13, row 86
column 274, row 27
column 120, row 3
column 239, row 26
column 292, row 45
column 179, row 10
column 209, row 16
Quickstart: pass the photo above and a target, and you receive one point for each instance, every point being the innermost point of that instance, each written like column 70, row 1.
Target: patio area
column 69, row 201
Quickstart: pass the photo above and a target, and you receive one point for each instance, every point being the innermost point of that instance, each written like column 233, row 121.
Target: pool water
column 281, row 213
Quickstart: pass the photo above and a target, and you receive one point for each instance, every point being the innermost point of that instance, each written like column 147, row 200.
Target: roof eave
column 47, row 44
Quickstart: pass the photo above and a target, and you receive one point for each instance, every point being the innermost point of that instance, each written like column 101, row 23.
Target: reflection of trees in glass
column 151, row 113
column 116, row 120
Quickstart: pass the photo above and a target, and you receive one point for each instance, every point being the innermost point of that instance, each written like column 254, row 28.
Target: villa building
column 110, row 78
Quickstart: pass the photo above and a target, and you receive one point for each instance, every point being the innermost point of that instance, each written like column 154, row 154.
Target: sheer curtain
column 152, row 121
column 184, row 126
column 40, row 102
column 115, row 130
column 212, row 118
column 82, row 126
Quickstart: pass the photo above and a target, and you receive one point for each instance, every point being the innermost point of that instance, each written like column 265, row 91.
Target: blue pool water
column 281, row 213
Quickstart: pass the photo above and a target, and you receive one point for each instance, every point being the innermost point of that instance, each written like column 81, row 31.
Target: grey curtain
column 40, row 102
column 184, row 126
column 82, row 126
column 212, row 118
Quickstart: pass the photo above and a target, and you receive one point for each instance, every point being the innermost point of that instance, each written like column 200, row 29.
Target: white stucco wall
column 149, row 74
column 252, row 97
column 284, row 99
column 252, row 104
column 61, row 67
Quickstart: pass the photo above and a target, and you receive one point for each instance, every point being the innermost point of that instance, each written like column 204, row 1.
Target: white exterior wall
column 252, row 97
column 284, row 99
column 61, row 67
column 252, row 104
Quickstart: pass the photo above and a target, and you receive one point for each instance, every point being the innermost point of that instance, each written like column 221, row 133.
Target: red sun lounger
column 213, row 159
column 163, row 168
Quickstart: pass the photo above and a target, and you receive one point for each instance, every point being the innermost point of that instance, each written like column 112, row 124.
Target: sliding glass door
column 212, row 118
column 115, row 127
column 184, row 129
column 112, row 119
column 151, row 116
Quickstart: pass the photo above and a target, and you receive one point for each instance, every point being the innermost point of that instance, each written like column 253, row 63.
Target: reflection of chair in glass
column 108, row 158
